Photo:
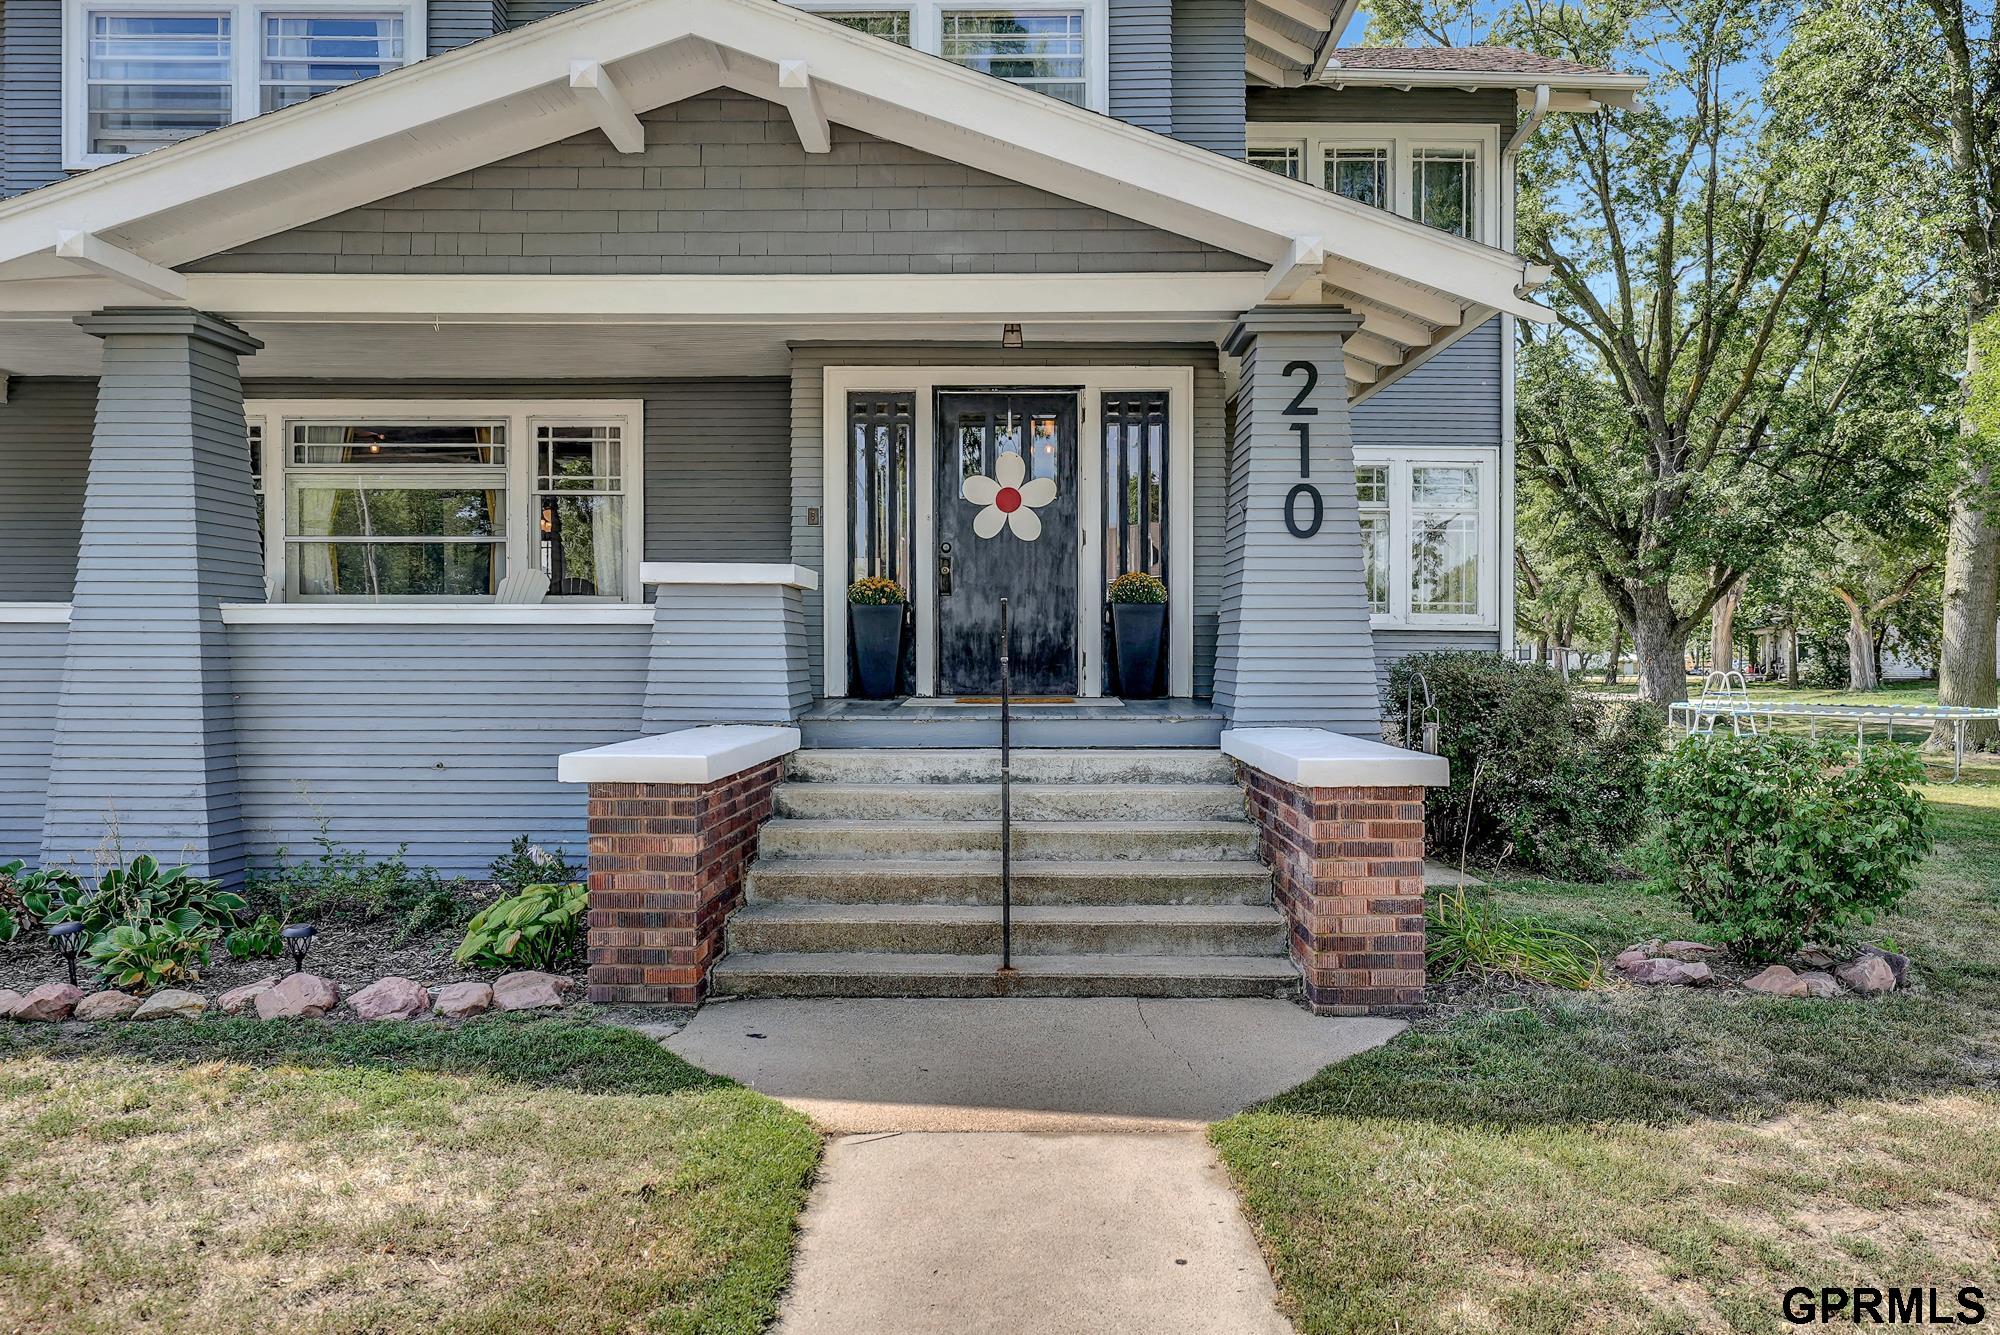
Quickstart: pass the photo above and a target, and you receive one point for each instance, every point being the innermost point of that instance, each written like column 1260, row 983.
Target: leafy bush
column 876, row 591
column 12, row 915
column 1463, row 936
column 1136, row 587
column 1542, row 775
column 1775, row 840
column 259, row 941
column 142, row 956
column 527, row 863
column 143, row 892
column 342, row 883
column 540, row 928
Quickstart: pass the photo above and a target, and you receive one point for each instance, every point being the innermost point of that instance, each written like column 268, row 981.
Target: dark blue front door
column 1006, row 527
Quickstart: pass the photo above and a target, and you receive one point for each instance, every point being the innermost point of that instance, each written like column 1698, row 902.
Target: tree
column 1723, row 308
column 1916, row 83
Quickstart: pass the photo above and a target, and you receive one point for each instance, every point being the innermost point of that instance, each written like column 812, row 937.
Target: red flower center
column 1009, row 500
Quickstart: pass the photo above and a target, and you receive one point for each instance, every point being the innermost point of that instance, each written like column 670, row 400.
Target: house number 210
column 1303, row 495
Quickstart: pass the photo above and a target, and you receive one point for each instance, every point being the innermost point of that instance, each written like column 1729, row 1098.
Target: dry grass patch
column 330, row 1179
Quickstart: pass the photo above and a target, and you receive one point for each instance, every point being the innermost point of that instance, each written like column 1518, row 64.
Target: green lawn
column 1651, row 1161
column 503, row 1175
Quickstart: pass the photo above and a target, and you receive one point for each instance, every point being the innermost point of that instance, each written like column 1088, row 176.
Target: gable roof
column 514, row 92
column 1475, row 67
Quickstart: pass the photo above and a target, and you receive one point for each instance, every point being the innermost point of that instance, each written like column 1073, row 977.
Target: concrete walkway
column 988, row 1178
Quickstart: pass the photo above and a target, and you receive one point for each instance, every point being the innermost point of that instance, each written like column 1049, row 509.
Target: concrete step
column 964, row 882
column 915, row 766
column 953, row 929
column 1032, row 801
column 886, row 975
column 1151, row 840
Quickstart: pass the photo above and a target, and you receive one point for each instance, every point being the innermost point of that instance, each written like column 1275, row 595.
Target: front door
column 1006, row 528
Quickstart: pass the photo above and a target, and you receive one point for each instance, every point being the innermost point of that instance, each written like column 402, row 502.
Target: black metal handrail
column 1006, row 802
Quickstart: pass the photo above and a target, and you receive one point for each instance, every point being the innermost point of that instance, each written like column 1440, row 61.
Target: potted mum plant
column 1138, row 626
column 875, row 613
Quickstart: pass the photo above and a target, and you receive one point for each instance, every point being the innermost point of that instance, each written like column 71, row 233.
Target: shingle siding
column 724, row 187
column 44, row 456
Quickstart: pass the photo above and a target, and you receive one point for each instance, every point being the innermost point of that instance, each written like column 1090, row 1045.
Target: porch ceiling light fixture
column 1010, row 336
column 1010, row 501
column 298, row 939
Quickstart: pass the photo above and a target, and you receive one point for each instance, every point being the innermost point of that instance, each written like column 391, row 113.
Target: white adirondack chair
column 523, row 586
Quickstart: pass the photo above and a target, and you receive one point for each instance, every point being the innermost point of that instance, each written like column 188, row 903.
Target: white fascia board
column 1316, row 758
column 727, row 572
column 1615, row 86
column 737, row 299
column 692, row 755
column 369, row 128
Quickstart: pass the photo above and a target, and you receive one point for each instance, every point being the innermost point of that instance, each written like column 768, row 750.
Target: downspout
column 1522, row 133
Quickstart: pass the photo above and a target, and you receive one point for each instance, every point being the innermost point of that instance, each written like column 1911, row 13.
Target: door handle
column 944, row 575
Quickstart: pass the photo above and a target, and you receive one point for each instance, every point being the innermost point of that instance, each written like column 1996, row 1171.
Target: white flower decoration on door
column 1009, row 501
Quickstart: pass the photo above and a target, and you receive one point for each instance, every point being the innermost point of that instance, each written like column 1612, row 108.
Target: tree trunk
column 1722, row 630
column 1792, row 657
column 1660, row 645
column 1617, row 648
column 1966, row 664
column 1861, row 674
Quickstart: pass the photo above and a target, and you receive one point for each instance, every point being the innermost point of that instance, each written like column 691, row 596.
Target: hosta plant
column 140, row 893
column 540, row 928
column 258, row 941
column 145, row 956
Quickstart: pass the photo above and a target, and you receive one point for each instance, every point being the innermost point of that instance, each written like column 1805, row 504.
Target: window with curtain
column 309, row 54
column 153, row 79
column 396, row 509
column 1444, row 540
column 580, row 507
column 1371, row 486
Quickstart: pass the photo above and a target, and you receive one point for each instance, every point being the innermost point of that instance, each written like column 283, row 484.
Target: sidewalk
column 1023, row 1165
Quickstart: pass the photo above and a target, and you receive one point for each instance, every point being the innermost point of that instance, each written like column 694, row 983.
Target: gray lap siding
column 31, row 664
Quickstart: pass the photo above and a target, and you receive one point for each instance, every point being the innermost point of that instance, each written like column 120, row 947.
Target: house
column 377, row 430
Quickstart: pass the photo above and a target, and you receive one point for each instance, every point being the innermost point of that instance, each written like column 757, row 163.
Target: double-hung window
column 1056, row 47
column 1429, row 534
column 1439, row 175
column 449, row 501
column 139, row 76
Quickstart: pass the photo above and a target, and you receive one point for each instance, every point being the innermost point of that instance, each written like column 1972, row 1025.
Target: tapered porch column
column 144, row 755
column 1294, row 647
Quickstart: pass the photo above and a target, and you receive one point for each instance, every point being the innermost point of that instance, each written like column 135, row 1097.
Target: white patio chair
column 523, row 586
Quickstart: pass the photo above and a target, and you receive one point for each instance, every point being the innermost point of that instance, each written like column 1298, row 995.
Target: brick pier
column 666, row 871
column 1348, row 866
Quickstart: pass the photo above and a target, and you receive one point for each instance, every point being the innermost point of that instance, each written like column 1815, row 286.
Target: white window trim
column 1091, row 384
column 1399, row 463
column 926, row 29
column 246, row 53
column 1402, row 141
column 523, row 521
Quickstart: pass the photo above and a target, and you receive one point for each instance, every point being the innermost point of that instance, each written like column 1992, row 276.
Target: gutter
column 1526, row 129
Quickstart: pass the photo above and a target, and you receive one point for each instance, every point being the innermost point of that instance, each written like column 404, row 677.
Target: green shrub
column 143, row 892
column 340, row 883
column 527, row 863
column 1773, row 841
column 143, row 956
column 540, row 928
column 259, row 941
column 1543, row 776
column 1464, row 936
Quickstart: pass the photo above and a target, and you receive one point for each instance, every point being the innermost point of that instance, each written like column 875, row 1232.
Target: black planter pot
column 1138, row 629
column 878, row 648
